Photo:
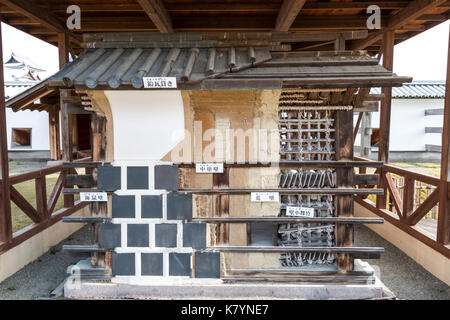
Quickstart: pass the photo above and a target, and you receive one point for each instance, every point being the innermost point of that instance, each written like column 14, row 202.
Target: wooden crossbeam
column 288, row 12
column 395, row 195
column 413, row 11
column 38, row 14
column 158, row 13
column 424, row 208
column 57, row 189
column 25, row 206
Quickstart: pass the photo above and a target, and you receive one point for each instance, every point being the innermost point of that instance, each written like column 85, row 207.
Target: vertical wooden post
column 41, row 197
column 385, row 113
column 63, row 49
column 66, row 132
column 443, row 234
column 221, row 205
column 339, row 43
column 344, row 178
column 53, row 124
column 408, row 197
column 67, row 148
column 5, row 205
column 98, row 127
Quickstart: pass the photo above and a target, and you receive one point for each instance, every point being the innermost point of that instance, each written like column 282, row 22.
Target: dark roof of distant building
column 417, row 90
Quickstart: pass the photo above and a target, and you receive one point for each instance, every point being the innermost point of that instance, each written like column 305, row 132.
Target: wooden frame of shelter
column 313, row 25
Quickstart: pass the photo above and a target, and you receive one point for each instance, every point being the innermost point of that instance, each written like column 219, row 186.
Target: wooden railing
column 409, row 198
column 43, row 214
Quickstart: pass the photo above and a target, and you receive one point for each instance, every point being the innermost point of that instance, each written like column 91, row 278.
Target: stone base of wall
column 215, row 290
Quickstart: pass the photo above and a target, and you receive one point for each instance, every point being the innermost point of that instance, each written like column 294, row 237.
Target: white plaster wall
column 408, row 122
column 147, row 124
column 37, row 121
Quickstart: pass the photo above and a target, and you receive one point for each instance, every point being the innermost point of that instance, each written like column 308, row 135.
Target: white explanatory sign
column 265, row 197
column 94, row 196
column 299, row 212
column 160, row 82
column 209, row 167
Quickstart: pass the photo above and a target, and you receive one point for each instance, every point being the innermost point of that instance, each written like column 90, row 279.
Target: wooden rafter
column 158, row 13
column 288, row 12
column 40, row 15
column 413, row 11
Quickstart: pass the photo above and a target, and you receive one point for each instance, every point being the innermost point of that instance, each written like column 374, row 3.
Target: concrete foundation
column 242, row 291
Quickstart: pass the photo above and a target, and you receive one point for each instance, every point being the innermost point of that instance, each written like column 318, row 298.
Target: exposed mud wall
column 218, row 120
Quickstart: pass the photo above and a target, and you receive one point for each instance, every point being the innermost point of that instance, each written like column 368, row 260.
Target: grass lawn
column 27, row 189
column 432, row 169
column 429, row 168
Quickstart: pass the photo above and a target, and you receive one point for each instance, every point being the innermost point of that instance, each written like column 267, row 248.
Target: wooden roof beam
column 288, row 12
column 413, row 11
column 158, row 13
column 36, row 13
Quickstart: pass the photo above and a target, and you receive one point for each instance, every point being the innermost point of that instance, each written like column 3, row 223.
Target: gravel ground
column 17, row 167
column 404, row 277
column 39, row 278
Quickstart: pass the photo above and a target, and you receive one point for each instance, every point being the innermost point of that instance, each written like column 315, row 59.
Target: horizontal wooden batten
column 83, row 164
column 81, row 180
column 359, row 191
column 349, row 250
column 79, row 190
column 337, row 278
column 297, row 164
column 95, row 219
column 282, row 220
column 367, row 179
column 83, row 248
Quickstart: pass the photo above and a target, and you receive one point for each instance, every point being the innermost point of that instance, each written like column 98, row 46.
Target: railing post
column 443, row 234
column 41, row 196
column 5, row 205
column 408, row 197
column 385, row 114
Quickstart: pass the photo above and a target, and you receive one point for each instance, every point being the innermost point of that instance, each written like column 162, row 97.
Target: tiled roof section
column 417, row 90
column 222, row 68
column 116, row 67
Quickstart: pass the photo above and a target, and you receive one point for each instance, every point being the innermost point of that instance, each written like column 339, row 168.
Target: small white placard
column 160, row 82
column 209, row 167
column 300, row 212
column 94, row 196
column 265, row 197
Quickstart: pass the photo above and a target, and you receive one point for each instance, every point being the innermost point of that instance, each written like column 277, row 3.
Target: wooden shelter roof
column 223, row 68
column 46, row 18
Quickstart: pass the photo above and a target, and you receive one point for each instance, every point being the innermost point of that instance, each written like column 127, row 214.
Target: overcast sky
column 423, row 57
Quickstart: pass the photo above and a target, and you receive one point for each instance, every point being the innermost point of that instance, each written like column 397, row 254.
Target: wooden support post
column 339, row 43
column 385, row 113
column 66, row 123
column 5, row 205
column 408, row 197
column 99, row 209
column 63, row 48
column 344, row 178
column 443, row 234
column 53, row 124
column 67, row 147
column 41, row 197
column 221, row 206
